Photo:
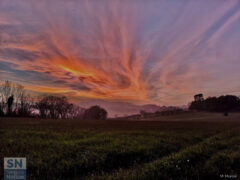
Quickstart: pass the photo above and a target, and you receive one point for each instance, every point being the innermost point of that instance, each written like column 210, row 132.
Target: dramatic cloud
column 159, row 52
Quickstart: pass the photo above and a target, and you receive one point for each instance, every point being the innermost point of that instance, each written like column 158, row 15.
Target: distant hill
column 124, row 108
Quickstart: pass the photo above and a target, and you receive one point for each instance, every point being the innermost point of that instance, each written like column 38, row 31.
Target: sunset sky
column 138, row 51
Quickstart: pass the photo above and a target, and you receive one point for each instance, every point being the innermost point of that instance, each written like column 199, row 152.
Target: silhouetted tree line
column 14, row 102
column 55, row 107
column 215, row 104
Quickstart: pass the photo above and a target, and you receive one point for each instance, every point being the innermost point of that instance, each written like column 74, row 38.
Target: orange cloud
column 146, row 52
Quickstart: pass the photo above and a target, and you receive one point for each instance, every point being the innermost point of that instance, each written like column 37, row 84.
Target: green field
column 185, row 146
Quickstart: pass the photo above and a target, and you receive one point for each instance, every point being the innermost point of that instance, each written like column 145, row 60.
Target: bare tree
column 42, row 106
column 13, row 100
column 76, row 112
column 7, row 90
column 25, row 105
column 54, row 107
column 19, row 95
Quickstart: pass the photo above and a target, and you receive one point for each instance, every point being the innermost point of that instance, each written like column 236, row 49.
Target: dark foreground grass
column 124, row 149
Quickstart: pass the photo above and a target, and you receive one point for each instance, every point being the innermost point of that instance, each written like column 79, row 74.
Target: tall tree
column 10, row 104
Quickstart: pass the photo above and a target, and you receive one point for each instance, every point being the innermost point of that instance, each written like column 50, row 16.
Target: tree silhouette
column 198, row 97
column 10, row 103
column 54, row 107
column 95, row 113
column 1, row 111
column 216, row 104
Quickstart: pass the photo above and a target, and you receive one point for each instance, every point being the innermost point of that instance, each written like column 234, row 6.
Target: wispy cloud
column 158, row 51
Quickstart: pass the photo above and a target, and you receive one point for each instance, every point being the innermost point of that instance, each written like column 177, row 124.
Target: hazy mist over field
column 158, row 52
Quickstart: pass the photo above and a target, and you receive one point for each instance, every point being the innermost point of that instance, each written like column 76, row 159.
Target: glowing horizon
column 160, row 52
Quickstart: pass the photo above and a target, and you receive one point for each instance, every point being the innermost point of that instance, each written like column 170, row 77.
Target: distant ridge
column 118, row 109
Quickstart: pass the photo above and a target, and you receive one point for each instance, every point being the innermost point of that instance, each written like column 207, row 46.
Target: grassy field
column 185, row 146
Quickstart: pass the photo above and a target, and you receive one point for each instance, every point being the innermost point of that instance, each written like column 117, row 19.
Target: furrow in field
column 186, row 163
